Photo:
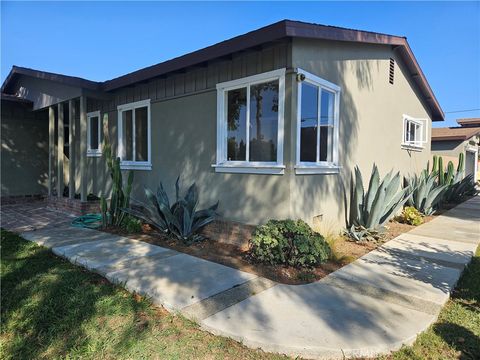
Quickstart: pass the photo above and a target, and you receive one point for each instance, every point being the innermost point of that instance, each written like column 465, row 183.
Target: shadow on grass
column 51, row 308
column 460, row 339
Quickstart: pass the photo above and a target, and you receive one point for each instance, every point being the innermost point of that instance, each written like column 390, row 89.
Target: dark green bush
column 131, row 224
column 289, row 242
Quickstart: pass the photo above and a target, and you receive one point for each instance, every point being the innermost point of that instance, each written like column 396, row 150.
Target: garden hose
column 91, row 221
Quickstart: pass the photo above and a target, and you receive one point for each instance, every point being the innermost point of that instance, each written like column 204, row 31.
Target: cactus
column 441, row 172
column 435, row 164
column 450, row 173
column 461, row 162
column 120, row 199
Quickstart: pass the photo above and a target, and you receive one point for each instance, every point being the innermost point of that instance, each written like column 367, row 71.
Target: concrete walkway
column 372, row 306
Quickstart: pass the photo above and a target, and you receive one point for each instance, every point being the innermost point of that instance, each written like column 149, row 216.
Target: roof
column 274, row 32
column 469, row 121
column 454, row 133
column 13, row 98
column 65, row 79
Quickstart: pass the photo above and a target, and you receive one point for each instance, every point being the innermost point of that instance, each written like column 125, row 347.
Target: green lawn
column 52, row 309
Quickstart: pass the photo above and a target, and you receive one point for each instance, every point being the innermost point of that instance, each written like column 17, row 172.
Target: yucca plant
column 182, row 219
column 370, row 210
column 426, row 192
column 461, row 188
column 112, row 214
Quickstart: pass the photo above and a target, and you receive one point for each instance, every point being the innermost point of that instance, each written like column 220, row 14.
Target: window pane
column 308, row 123
column 263, row 121
column 94, row 133
column 326, row 125
column 141, row 134
column 236, row 124
column 127, row 126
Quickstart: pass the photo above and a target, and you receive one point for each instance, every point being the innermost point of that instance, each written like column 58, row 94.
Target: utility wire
column 460, row 111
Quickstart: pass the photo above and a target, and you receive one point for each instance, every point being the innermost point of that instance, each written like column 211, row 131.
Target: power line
column 460, row 111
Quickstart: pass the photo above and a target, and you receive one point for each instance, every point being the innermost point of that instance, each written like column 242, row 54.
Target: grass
column 53, row 309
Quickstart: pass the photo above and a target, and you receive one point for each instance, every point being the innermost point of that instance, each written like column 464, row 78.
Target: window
column 94, row 145
column 134, row 147
column 250, row 124
column 414, row 132
column 317, row 125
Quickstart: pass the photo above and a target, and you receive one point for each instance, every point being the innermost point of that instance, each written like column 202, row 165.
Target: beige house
column 270, row 123
column 450, row 142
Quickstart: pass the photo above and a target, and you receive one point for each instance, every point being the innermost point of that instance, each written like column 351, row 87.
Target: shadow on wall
column 24, row 163
column 327, row 194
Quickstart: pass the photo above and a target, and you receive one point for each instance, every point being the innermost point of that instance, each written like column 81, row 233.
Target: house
column 450, row 142
column 270, row 123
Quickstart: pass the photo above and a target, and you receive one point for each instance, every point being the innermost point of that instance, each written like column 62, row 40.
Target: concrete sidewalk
column 371, row 306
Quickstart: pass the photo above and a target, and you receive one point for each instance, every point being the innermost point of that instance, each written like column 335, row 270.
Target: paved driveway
column 371, row 306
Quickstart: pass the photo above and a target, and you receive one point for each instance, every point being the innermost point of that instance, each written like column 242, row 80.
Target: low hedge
column 289, row 242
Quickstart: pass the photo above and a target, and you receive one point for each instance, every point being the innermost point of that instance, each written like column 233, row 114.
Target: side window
column 317, row 124
column 134, row 135
column 415, row 132
column 94, row 127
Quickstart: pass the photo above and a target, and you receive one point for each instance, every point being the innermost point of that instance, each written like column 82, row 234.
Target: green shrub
column 289, row 242
column 411, row 216
column 131, row 224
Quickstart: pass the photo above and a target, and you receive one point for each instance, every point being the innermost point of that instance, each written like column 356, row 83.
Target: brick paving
column 31, row 216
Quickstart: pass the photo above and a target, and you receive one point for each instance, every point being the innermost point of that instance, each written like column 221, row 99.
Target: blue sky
column 99, row 41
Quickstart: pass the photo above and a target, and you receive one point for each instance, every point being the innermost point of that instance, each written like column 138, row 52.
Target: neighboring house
column 270, row 123
column 450, row 142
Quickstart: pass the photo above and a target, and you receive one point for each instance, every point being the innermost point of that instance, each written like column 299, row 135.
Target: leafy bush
column 426, row 192
column 131, row 224
column 370, row 210
column 411, row 216
column 289, row 242
column 182, row 219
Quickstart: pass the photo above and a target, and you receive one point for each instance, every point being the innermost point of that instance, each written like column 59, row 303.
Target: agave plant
column 426, row 192
column 460, row 188
column 182, row 219
column 369, row 211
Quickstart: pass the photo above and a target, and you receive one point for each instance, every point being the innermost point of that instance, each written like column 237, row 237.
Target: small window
column 250, row 124
column 94, row 146
column 134, row 147
column 414, row 132
column 317, row 125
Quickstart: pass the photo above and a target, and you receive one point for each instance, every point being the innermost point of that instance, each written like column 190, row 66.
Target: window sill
column 250, row 169
column 317, row 169
column 412, row 147
column 133, row 166
column 94, row 154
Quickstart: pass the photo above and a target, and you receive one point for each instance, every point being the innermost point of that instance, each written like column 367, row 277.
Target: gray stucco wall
column 183, row 123
column 371, row 121
column 24, row 163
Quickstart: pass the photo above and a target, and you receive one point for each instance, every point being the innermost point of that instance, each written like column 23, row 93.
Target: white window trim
column 249, row 167
column 320, row 167
column 131, row 164
column 415, row 145
column 94, row 152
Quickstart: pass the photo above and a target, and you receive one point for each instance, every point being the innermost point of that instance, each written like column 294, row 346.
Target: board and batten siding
column 199, row 79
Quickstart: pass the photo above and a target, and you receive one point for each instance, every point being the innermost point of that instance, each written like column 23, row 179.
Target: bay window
column 134, row 143
column 250, row 124
column 317, row 125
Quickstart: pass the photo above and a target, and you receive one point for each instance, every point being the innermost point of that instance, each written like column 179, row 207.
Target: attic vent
column 391, row 73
